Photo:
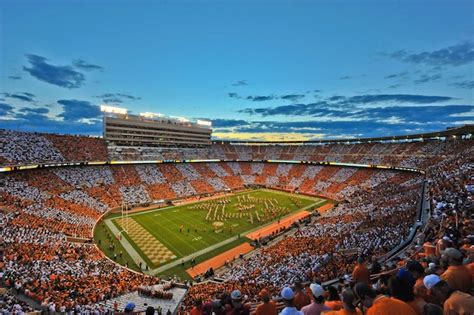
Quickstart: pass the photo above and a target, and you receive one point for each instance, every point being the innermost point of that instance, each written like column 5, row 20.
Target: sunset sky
column 261, row 70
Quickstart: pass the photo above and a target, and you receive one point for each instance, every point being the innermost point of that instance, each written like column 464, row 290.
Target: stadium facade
column 152, row 130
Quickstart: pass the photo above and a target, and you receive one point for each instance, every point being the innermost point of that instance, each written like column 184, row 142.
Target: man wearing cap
column 237, row 307
column 267, row 307
column 288, row 297
column 317, row 305
column 431, row 268
column 457, row 275
column 348, row 307
column 454, row 302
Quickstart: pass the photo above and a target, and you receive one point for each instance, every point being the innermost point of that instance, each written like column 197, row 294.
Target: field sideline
column 172, row 234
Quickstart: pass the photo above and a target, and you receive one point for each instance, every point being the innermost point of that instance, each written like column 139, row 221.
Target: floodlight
column 111, row 109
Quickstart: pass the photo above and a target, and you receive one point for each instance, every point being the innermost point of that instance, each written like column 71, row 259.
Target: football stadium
column 137, row 225
column 236, row 158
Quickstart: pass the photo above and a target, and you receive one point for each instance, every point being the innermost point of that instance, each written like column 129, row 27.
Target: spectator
column 378, row 304
column 454, row 302
column 457, row 275
column 333, row 300
column 375, row 268
column 361, row 273
column 400, row 288
column 236, row 307
column 267, row 307
column 317, row 305
column 442, row 244
column 288, row 297
column 348, row 307
column 415, row 272
column 301, row 298
column 218, row 307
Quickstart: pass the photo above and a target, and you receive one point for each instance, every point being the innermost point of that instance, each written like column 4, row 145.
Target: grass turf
column 165, row 224
column 100, row 233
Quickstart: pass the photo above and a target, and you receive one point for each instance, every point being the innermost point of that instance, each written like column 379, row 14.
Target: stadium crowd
column 18, row 147
column 434, row 276
column 377, row 209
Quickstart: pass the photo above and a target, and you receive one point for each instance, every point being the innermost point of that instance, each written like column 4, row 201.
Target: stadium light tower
column 113, row 110
column 180, row 119
column 204, row 123
column 151, row 115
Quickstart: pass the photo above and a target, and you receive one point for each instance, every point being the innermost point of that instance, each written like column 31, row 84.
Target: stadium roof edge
column 449, row 132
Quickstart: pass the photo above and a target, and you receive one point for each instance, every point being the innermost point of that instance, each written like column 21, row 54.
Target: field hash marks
column 150, row 246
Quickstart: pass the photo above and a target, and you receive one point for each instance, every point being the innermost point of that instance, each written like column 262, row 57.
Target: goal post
column 125, row 224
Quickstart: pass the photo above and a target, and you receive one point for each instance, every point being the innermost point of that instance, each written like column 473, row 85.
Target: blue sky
column 258, row 69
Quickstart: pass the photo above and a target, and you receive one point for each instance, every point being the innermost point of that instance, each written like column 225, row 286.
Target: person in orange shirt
column 301, row 298
column 401, row 289
column 361, row 273
column 380, row 304
column 470, row 267
column 454, row 302
column 457, row 275
column 421, row 291
column 459, row 303
column 333, row 300
column 348, row 307
column 198, row 308
column 267, row 307
column 429, row 249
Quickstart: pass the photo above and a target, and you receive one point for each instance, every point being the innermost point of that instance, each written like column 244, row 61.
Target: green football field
column 202, row 228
